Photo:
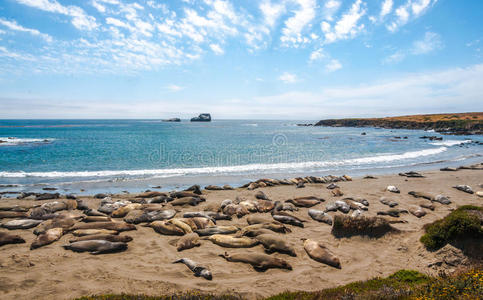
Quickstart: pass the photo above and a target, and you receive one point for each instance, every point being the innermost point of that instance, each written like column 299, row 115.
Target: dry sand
column 146, row 267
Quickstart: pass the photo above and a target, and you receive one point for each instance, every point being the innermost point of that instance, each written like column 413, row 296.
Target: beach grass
column 404, row 284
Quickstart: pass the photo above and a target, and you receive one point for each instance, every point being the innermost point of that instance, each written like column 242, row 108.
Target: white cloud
column 317, row 55
column 394, row 58
column 13, row 25
column 347, row 26
column 272, row 12
column 403, row 12
column 292, row 32
column 174, row 88
column 100, row 8
column 288, row 77
column 333, row 65
column 217, row 49
column 386, row 8
column 431, row 41
column 330, row 9
column 418, row 6
column 80, row 19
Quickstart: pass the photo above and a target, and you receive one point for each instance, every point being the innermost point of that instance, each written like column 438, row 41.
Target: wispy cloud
column 333, row 65
column 429, row 43
column 12, row 25
column 347, row 26
column 287, row 77
column 174, row 88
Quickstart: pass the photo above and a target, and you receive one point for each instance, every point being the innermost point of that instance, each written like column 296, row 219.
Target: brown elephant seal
column 47, row 238
column 96, row 246
column 187, row 241
column 163, row 227
column 392, row 212
column 273, row 243
column 273, row 226
column 90, row 219
column 250, row 205
column 388, row 202
column 320, row 216
column 93, row 212
column 117, row 226
column 12, row 214
column 320, row 253
column 106, row 237
column 286, row 206
column 151, row 195
column 355, row 205
column 305, row 201
column 424, row 195
column 7, row 238
column 196, row 268
column 193, row 201
column 180, row 224
column 264, row 206
column 198, row 214
column 83, row 232
column 136, row 216
column 231, row 242
column 429, row 206
column 122, row 211
column 253, row 232
column 21, row 224
column 201, row 223
column 184, row 194
column 15, row 207
column 235, row 209
column 337, row 192
column 257, row 219
column 160, row 215
column 288, row 220
column 260, row 262
column 261, row 195
column 217, row 230
column 417, row 211
column 64, row 223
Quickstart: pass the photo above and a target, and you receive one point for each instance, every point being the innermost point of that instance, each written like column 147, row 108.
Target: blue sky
column 280, row 59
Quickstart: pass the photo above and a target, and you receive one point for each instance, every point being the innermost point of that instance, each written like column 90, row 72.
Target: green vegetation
column 404, row 284
column 460, row 224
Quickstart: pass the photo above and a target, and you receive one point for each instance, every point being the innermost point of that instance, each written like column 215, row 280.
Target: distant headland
column 452, row 123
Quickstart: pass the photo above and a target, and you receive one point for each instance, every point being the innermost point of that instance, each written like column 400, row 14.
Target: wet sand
column 146, row 267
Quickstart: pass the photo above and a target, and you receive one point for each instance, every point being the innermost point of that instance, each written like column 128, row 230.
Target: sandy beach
column 146, row 266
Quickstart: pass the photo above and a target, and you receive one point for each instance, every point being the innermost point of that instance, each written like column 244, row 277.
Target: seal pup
column 47, row 238
column 392, row 212
column 217, row 230
column 464, row 188
column 260, row 262
column 96, row 246
column 320, row 216
column 332, row 186
column 388, row 202
column 231, row 242
column 83, row 232
column 21, row 224
column 392, row 189
column 261, row 195
column 427, row 205
column 288, row 220
column 196, row 268
column 424, row 195
column 331, row 207
column 417, row 211
column 187, row 241
column 12, row 214
column 106, row 237
column 7, row 238
column 442, row 199
column 337, row 192
column 273, row 243
column 342, row 206
column 318, row 252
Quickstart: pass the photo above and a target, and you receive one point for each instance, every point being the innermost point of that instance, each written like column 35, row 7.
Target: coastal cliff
column 459, row 123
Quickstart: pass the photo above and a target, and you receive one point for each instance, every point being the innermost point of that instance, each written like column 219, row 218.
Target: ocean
column 133, row 155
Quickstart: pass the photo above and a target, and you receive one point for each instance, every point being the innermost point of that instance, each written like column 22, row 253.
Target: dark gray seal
column 96, row 246
column 196, row 268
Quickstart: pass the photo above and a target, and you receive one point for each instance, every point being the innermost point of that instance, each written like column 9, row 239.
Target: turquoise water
column 224, row 151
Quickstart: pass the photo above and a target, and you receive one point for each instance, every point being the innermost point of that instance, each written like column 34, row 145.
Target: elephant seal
column 464, row 188
column 331, row 207
column 392, row 189
column 421, row 195
column 260, row 262
column 321, row 216
column 429, row 206
column 342, row 206
column 235, row 209
column 388, row 202
column 332, row 186
column 160, row 215
column 7, row 238
column 320, row 253
column 442, row 199
column 184, row 194
column 417, row 211
column 105, row 237
column 16, row 208
column 288, row 220
column 96, row 246
column 151, row 195
column 12, row 214
column 122, row 211
column 64, row 223
column 199, row 214
column 200, row 223
column 355, row 205
column 286, row 206
column 47, row 238
column 305, row 201
column 257, row 219
column 219, row 230
column 253, row 232
column 21, row 224
column 94, row 212
column 217, row 215
column 193, row 201
column 231, row 242
column 136, row 216
column 273, row 243
column 250, row 205
column 392, row 212
column 196, row 268
column 337, row 192
column 273, row 226
column 261, row 195
column 163, row 227
column 181, row 225
column 90, row 219
column 187, row 241
column 117, row 226
column 83, row 232
column 195, row 189
column 264, row 206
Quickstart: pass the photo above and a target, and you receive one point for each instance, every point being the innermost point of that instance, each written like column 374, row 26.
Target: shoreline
column 146, row 267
